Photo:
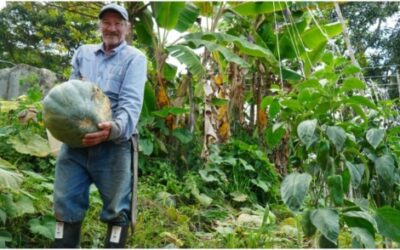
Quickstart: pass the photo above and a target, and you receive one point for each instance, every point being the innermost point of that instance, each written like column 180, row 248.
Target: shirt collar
column 100, row 48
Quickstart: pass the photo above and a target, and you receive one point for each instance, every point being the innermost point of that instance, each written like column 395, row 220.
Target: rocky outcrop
column 16, row 80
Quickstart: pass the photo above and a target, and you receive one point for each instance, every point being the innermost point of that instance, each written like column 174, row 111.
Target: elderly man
column 120, row 71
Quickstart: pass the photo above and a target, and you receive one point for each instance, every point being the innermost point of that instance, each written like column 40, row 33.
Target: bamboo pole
column 398, row 81
column 346, row 38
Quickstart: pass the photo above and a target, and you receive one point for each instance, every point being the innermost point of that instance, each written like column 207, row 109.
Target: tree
column 29, row 35
column 368, row 33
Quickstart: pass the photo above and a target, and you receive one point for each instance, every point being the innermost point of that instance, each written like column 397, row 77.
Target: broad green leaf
column 306, row 130
column 309, row 83
column 3, row 217
column 288, row 74
column 43, row 226
column 291, row 104
column 10, row 179
column 359, row 111
column 149, row 101
column 361, row 219
column 335, row 185
column 327, row 58
column 6, row 165
column 229, row 160
column 144, row 28
column 346, row 177
column 384, row 166
column 308, row 228
column 206, row 176
column 33, row 175
column 294, row 189
column 314, row 36
column 356, row 173
column 287, row 45
column 225, row 230
column 246, row 165
column 188, row 57
column 337, row 136
column 206, row 8
column 5, row 236
column 219, row 102
column 238, row 196
column 202, row 198
column 255, row 8
column 183, row 135
column 146, row 146
column 24, row 206
column 227, row 54
column 242, row 44
column 312, row 57
column 6, row 106
column 274, row 109
column 170, row 110
column 362, row 101
column 305, row 97
column 327, row 222
column 167, row 13
column 352, row 83
column 375, row 136
column 31, row 144
column 274, row 137
column 388, row 220
column 333, row 29
column 351, row 69
column 323, row 153
column 261, row 184
column 361, row 238
column 310, row 5
column 266, row 101
column 6, row 131
column 8, row 205
column 187, row 17
column 169, row 71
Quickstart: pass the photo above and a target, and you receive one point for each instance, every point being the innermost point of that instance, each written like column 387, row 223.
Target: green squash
column 73, row 109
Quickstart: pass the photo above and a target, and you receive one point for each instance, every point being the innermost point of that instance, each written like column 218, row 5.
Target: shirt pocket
column 114, row 80
column 86, row 68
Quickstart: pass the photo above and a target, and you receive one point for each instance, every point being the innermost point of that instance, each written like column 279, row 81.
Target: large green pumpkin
column 73, row 109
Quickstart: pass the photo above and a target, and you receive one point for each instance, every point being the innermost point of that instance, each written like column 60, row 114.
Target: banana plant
column 153, row 24
column 153, row 30
column 224, row 52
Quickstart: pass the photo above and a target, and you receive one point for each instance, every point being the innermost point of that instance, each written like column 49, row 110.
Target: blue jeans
column 108, row 166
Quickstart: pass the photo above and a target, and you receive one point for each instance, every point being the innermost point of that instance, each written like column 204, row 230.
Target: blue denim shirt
column 122, row 77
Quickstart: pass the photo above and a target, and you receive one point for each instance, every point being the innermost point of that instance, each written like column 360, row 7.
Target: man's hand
column 95, row 138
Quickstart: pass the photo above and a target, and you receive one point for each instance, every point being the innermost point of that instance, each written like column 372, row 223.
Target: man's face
column 113, row 29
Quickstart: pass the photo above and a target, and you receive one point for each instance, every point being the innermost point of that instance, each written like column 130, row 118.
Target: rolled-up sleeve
column 130, row 100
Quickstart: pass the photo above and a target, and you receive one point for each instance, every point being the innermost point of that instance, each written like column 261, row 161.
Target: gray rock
column 16, row 81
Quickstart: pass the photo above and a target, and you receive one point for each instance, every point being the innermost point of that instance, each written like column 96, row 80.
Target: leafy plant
column 344, row 154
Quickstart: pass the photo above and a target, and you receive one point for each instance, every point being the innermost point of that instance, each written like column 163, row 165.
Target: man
column 120, row 71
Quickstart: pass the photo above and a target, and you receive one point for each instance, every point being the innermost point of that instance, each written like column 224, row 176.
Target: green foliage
column 242, row 172
column 294, row 189
column 20, row 44
column 340, row 186
column 24, row 190
column 342, row 157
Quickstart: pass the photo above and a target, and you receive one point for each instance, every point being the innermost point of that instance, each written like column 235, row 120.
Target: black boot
column 116, row 236
column 67, row 235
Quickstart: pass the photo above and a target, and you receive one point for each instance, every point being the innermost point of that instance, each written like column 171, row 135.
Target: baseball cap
column 115, row 7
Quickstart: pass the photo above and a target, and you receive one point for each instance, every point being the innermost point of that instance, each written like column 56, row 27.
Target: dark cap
column 114, row 7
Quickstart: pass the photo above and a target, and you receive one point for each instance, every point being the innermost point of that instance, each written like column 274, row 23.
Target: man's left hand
column 95, row 138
